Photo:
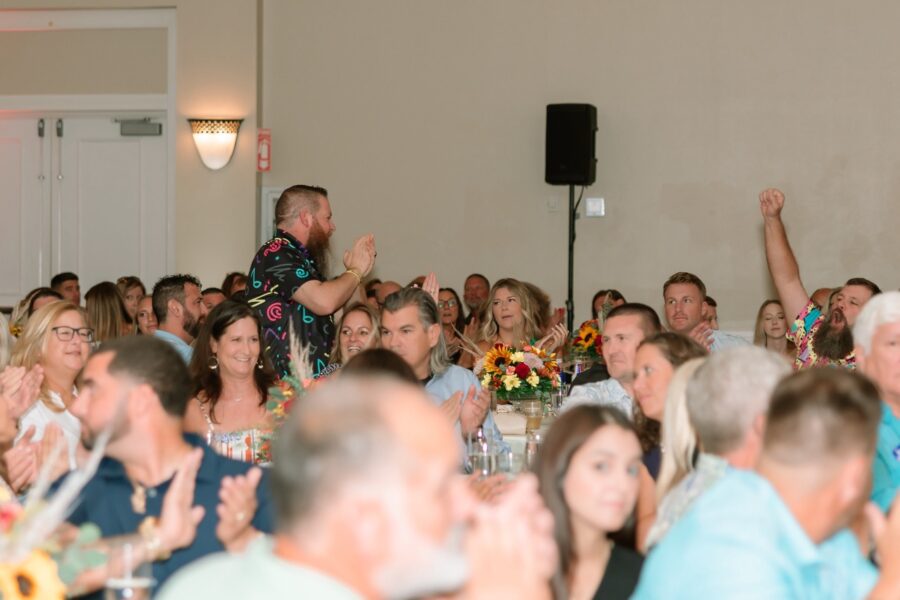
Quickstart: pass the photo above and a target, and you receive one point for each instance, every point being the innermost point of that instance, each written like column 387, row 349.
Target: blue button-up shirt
column 106, row 502
column 886, row 467
column 608, row 392
column 721, row 341
column 457, row 379
column 182, row 347
column 741, row 541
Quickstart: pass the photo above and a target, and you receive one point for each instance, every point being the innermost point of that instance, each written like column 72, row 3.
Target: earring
column 213, row 362
column 260, row 364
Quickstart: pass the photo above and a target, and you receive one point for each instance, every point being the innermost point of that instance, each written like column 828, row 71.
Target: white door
column 99, row 211
column 24, row 207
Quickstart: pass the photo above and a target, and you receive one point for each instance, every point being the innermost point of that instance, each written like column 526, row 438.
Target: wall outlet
column 595, row 207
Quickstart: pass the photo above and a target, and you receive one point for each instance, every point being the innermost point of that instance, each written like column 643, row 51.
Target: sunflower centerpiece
column 586, row 346
column 518, row 374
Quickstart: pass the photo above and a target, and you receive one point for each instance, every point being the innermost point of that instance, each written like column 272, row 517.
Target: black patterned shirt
column 278, row 270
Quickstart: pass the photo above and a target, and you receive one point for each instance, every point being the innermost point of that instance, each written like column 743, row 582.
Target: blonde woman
column 57, row 338
column 358, row 329
column 515, row 319
column 771, row 329
column 6, row 341
column 106, row 312
column 679, row 444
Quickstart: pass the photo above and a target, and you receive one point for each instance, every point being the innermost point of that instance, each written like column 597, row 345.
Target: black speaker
column 570, row 153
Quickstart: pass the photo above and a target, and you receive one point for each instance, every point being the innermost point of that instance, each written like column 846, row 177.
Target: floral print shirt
column 802, row 332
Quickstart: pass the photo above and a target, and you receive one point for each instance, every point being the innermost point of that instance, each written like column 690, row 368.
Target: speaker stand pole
column 570, row 305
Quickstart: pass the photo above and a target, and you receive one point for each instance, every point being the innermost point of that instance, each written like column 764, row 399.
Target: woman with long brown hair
column 107, row 313
column 654, row 365
column 232, row 376
column 588, row 470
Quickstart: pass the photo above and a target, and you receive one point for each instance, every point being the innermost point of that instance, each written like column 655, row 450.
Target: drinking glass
column 480, row 455
column 128, row 578
column 533, row 409
column 533, row 441
column 510, row 463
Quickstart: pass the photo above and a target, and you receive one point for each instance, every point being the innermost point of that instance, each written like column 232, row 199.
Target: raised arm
column 325, row 297
column 782, row 264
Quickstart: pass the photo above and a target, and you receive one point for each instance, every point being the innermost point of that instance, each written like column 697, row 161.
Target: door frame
column 120, row 18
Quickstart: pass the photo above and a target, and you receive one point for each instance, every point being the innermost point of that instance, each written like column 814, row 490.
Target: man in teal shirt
column 876, row 335
column 781, row 532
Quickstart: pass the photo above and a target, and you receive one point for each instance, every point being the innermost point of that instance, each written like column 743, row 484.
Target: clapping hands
column 236, row 509
column 554, row 339
column 20, row 388
column 361, row 256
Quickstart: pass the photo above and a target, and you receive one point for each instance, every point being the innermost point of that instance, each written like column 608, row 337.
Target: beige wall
column 216, row 76
column 425, row 119
column 107, row 61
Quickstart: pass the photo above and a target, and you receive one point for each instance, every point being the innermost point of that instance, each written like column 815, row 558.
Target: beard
column 318, row 245
column 417, row 566
column 420, row 567
column 833, row 339
column 191, row 324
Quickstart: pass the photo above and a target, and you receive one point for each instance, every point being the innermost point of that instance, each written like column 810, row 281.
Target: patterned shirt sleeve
column 291, row 272
column 805, row 324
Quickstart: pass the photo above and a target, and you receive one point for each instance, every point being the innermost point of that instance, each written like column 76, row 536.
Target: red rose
column 523, row 370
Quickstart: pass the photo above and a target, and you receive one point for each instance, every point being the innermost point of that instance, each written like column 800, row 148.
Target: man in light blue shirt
column 178, row 306
column 411, row 327
column 781, row 532
column 686, row 313
column 727, row 399
column 626, row 326
column 876, row 335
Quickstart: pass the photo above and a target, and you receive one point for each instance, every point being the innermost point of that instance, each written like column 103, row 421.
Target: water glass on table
column 480, row 454
column 129, row 577
column 510, row 463
column 533, row 409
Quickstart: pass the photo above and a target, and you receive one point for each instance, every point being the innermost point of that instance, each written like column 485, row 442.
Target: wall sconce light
column 215, row 140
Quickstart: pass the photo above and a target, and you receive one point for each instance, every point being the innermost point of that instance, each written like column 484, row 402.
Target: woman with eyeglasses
column 452, row 321
column 57, row 338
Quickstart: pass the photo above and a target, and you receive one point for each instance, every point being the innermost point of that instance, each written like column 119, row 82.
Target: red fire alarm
column 264, row 150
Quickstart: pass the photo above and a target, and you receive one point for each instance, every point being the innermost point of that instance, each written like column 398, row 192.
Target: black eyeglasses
column 447, row 303
column 65, row 334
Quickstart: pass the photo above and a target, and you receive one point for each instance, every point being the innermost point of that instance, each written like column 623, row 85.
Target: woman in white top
column 233, row 379
column 56, row 337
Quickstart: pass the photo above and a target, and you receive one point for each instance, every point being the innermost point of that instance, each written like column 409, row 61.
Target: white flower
column 479, row 366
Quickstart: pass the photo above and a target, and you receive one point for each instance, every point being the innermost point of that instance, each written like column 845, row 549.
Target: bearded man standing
column 821, row 338
column 288, row 284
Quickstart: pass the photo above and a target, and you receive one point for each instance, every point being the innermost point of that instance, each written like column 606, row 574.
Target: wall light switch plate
column 595, row 207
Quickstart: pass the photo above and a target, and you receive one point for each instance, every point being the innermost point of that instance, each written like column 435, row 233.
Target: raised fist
column 771, row 201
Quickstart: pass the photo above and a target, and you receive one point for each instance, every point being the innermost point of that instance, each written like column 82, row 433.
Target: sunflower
column 34, row 578
column 497, row 359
